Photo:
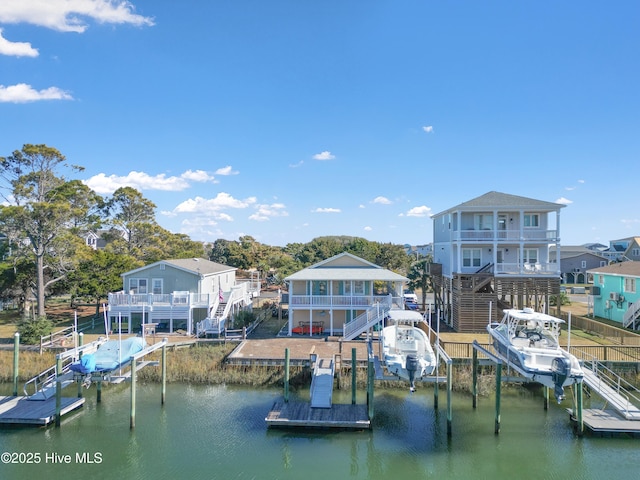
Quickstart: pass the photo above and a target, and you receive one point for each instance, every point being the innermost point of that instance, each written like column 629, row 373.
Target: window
column 531, row 220
column 358, row 287
column 156, row 286
column 319, row 287
column 584, row 264
column 635, row 252
column 471, row 257
column 138, row 285
column 530, row 255
column 601, row 279
column 630, row 285
column 483, row 221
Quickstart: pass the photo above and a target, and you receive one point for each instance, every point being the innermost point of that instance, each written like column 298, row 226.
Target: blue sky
column 291, row 119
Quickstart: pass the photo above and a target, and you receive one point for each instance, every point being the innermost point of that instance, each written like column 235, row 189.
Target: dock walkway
column 322, row 383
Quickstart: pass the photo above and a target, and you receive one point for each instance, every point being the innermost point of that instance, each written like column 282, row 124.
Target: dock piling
column 164, row 371
column 16, row 358
column 286, row 375
column 353, row 376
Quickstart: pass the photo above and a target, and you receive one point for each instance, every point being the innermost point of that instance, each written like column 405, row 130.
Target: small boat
column 407, row 351
column 528, row 340
column 109, row 356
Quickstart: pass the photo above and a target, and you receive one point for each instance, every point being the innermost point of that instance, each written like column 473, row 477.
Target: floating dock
column 302, row 414
column 22, row 411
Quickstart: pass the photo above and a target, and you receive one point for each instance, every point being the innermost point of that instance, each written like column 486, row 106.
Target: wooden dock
column 301, row 414
column 606, row 422
column 22, row 411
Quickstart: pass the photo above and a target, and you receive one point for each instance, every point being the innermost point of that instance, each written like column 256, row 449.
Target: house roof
column 504, row 201
column 623, row 268
column 198, row 266
column 574, row 251
column 346, row 266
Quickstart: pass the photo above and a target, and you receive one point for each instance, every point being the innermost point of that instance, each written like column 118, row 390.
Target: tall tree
column 40, row 206
column 132, row 215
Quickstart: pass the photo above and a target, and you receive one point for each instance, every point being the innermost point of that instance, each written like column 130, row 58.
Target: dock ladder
column 322, row 383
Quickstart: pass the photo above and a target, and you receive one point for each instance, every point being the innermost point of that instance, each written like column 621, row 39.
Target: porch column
column 558, row 270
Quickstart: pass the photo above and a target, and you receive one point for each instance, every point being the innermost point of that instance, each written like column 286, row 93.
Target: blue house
column 615, row 293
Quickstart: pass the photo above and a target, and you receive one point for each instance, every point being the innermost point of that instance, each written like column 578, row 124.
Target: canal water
column 219, row 432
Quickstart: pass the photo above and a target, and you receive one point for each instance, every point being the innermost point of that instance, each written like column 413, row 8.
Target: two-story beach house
column 342, row 295
column 615, row 294
column 193, row 295
column 494, row 249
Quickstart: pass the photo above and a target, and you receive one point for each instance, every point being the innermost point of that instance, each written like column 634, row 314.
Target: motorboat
column 407, row 351
column 528, row 341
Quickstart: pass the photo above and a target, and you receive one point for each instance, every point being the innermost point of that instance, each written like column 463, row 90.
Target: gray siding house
column 177, row 294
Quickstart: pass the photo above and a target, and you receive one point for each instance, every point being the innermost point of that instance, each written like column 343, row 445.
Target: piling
column 498, row 388
column 474, row 377
column 16, row 358
column 132, row 416
column 80, row 343
column 286, row 375
column 164, row 372
column 353, row 376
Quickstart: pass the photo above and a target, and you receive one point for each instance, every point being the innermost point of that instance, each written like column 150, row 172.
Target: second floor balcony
column 175, row 299
column 341, row 301
column 505, row 236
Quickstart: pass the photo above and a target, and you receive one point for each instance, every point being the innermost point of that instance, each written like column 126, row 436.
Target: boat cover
column 110, row 355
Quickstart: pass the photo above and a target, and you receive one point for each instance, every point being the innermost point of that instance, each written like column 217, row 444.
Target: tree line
column 45, row 216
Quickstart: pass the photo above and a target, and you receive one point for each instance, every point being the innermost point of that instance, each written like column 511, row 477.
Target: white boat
column 407, row 351
column 528, row 341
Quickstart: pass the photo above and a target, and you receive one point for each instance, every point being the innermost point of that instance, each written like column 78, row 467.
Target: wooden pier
column 302, row 414
column 22, row 411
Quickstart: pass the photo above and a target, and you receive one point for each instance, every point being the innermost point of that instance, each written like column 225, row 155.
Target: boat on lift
column 407, row 351
column 528, row 341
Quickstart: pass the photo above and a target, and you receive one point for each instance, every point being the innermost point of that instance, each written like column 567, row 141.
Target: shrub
column 32, row 329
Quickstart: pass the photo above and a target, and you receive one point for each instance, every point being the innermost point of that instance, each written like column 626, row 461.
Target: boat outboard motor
column 560, row 370
column 412, row 368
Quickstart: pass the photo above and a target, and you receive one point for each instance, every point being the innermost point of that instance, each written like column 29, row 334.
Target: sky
column 287, row 120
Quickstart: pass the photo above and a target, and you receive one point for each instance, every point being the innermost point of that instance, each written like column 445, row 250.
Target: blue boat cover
column 109, row 356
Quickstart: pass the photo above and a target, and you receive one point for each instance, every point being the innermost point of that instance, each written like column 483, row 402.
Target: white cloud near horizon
column 70, row 15
column 23, row 93
column 422, row 211
column 564, row 201
column 326, row 155
column 104, row 184
column 428, row 129
column 16, row 49
column 326, row 210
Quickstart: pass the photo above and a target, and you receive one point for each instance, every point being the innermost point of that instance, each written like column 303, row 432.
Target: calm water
column 219, row 432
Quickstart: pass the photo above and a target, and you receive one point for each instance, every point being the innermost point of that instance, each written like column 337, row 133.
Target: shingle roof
column 622, row 268
column 358, row 269
column 504, row 200
column 195, row 265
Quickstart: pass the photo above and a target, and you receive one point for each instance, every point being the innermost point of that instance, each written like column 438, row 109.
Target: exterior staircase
column 615, row 391
column 631, row 317
column 374, row 314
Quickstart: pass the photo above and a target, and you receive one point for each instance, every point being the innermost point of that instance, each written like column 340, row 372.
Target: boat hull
column 407, row 353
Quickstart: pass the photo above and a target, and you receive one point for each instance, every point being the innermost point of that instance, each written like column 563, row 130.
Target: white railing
column 631, row 315
column 169, row 299
column 371, row 316
column 526, row 268
column 505, row 235
column 338, row 300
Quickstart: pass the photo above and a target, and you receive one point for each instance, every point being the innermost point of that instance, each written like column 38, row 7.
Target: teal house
column 615, row 293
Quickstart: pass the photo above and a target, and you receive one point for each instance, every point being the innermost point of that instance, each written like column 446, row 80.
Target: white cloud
column 70, row 15
column 226, row 171
column 23, row 93
column 368, row 229
column 428, row 129
column 16, row 49
column 296, row 165
column 102, row 183
column 564, row 201
column 581, row 181
column 421, row 211
column 213, row 206
column 198, row 176
column 266, row 212
column 382, row 200
column 326, row 155
column 326, row 210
